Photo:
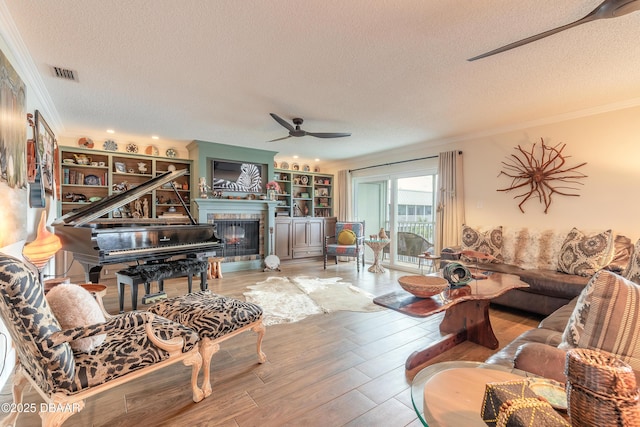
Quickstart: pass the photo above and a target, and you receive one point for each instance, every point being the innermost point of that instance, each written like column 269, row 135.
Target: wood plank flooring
column 339, row 369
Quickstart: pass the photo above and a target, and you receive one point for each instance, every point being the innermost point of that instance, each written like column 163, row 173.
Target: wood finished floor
column 339, row 369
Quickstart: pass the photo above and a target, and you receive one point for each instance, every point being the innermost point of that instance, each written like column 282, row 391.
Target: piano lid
column 102, row 207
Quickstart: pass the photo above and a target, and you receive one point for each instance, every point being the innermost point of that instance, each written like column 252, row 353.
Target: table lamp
column 43, row 248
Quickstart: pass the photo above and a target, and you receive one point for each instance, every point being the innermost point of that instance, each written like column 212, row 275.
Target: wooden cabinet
column 89, row 175
column 283, row 241
column 301, row 237
column 304, row 194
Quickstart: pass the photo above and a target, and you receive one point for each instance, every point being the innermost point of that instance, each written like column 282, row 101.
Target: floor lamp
column 40, row 251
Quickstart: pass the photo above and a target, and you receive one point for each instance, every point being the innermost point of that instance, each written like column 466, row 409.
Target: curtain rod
column 395, row 163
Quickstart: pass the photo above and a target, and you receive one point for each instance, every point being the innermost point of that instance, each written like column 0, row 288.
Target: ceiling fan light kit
column 297, row 131
column 607, row 9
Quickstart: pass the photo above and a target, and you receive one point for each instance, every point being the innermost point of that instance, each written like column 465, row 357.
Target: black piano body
column 96, row 241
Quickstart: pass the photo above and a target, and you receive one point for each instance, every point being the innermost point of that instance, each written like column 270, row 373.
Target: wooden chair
column 332, row 246
column 136, row 343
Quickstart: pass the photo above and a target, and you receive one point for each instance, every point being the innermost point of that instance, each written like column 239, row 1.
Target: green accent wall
column 203, row 152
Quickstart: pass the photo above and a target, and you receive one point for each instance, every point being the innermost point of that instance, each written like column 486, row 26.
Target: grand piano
column 96, row 241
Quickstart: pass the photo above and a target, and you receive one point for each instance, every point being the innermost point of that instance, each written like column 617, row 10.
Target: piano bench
column 215, row 318
column 147, row 273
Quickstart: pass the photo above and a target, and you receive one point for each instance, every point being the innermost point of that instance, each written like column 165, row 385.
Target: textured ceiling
column 392, row 73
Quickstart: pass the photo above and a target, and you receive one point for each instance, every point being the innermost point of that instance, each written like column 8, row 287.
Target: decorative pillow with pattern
column 606, row 317
column 488, row 242
column 584, row 255
column 632, row 272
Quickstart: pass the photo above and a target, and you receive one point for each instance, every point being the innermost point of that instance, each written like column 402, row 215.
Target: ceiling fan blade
column 606, row 9
column 531, row 39
column 328, row 134
column 283, row 122
column 280, row 139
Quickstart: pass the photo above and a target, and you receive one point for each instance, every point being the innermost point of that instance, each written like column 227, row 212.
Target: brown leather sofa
column 606, row 319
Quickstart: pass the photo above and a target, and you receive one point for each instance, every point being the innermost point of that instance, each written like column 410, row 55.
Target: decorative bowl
column 423, row 286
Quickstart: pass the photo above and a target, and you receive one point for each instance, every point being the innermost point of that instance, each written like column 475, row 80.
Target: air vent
column 65, row 73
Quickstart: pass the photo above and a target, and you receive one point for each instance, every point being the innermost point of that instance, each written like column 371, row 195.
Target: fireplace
column 241, row 236
column 243, row 224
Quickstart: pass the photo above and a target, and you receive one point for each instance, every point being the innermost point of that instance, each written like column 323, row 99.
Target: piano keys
column 96, row 241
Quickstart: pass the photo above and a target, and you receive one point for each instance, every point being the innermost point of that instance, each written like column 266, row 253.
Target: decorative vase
column 271, row 194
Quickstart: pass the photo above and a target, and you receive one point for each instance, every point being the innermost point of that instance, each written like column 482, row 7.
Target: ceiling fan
column 299, row 132
column 606, row 9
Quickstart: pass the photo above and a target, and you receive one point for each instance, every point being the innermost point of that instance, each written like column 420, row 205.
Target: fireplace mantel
column 203, row 209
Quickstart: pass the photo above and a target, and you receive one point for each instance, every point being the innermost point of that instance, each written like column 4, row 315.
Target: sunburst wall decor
column 541, row 172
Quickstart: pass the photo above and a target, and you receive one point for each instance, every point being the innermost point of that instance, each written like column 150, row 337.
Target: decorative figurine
column 382, row 234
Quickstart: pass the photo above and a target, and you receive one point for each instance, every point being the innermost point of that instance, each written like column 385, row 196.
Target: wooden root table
column 466, row 314
column 376, row 246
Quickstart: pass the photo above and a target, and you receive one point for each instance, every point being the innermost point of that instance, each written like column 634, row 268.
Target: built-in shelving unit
column 89, row 175
column 304, row 194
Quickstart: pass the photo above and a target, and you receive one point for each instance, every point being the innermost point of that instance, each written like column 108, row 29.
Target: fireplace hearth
column 241, row 237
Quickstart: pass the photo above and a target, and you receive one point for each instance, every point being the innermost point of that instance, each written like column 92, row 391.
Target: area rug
column 291, row 299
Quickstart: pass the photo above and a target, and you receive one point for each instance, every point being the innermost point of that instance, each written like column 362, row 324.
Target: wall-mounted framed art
column 237, row 176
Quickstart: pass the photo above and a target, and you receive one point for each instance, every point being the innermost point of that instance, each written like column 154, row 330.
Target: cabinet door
column 300, row 234
column 315, row 230
column 283, row 239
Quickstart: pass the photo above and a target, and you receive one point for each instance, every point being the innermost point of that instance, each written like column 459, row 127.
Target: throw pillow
column 74, row 306
column 488, row 242
column 622, row 250
column 347, row 237
column 632, row 272
column 584, row 255
column 606, row 317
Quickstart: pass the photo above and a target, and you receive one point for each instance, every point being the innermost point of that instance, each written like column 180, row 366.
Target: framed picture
column 120, row 167
column 46, row 144
column 237, row 176
column 304, row 195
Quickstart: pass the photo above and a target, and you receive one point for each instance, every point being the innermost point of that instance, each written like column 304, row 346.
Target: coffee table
column 466, row 314
column 451, row 393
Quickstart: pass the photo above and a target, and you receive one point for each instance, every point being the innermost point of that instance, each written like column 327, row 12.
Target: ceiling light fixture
column 111, row 131
column 155, row 137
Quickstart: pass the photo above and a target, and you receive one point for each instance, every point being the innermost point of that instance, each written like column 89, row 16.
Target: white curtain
column 343, row 196
column 450, row 200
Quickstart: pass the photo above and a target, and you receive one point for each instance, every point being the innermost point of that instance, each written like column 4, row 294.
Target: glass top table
column 453, row 391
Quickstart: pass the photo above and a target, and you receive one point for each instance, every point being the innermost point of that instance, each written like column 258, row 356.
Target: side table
column 377, row 246
column 432, row 264
column 451, row 393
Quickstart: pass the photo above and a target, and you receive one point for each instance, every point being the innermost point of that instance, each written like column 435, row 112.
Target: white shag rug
column 290, row 299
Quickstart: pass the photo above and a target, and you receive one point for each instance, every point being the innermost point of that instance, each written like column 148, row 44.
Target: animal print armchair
column 347, row 242
column 135, row 343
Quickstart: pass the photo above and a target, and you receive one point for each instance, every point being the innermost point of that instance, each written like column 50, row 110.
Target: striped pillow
column 606, row 317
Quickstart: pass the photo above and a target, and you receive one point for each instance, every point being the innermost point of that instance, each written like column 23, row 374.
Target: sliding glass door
column 403, row 204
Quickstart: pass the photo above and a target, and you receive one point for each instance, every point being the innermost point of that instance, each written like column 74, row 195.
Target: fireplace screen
column 240, row 236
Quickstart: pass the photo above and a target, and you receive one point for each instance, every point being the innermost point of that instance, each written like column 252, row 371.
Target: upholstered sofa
column 605, row 316
column 556, row 264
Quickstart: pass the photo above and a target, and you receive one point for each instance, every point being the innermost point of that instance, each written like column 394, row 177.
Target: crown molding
column 26, row 68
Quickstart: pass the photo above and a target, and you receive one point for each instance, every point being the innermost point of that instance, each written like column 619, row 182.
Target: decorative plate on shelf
column 132, row 148
column 316, row 169
column 110, row 145
column 284, row 165
column 91, row 180
column 295, row 167
column 171, row 168
column 306, row 168
column 171, row 152
column 151, row 150
column 304, row 180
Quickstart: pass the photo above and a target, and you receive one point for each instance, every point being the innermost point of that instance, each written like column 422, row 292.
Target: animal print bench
column 215, row 318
